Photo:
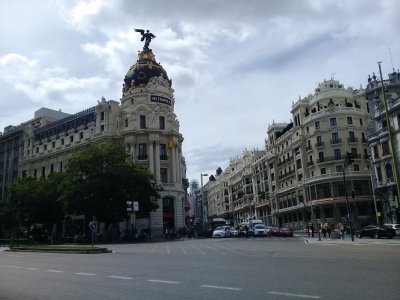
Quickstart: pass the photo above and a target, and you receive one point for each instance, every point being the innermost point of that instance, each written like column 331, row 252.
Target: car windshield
column 259, row 227
column 219, row 228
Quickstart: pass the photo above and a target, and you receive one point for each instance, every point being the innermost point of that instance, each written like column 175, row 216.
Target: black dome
column 145, row 68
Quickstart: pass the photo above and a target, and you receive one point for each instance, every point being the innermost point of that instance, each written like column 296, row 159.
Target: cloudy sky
column 236, row 65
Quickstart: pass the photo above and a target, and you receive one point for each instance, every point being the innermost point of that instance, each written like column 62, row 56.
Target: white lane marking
column 168, row 250
column 154, row 249
column 55, row 271
column 33, row 269
column 198, row 249
column 163, row 281
column 295, row 295
column 12, row 267
column 86, row 274
column 15, row 255
column 221, row 287
column 120, row 277
column 183, row 249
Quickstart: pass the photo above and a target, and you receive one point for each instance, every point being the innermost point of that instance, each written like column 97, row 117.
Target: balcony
column 336, row 141
column 320, row 144
column 310, row 163
column 309, row 148
column 142, row 157
column 163, row 157
column 352, row 140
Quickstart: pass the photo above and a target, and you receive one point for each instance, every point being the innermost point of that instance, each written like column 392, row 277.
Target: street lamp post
column 203, row 215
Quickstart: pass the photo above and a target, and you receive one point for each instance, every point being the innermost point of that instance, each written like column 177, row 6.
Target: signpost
column 133, row 207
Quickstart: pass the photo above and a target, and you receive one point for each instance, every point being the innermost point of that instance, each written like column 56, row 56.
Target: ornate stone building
column 384, row 141
column 146, row 123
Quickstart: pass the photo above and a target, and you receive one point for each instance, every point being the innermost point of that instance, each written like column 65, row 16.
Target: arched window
column 389, row 171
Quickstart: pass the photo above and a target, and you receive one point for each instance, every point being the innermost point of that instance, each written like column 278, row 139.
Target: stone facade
column 144, row 121
column 384, row 141
column 299, row 176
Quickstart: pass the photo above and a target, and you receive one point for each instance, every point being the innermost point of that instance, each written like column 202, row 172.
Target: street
column 253, row 268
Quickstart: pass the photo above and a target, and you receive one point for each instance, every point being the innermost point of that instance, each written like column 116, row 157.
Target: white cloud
column 235, row 65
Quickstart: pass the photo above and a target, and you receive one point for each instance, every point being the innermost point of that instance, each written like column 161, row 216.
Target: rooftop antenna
column 390, row 53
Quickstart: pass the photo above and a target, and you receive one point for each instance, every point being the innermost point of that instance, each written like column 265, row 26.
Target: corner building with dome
column 146, row 123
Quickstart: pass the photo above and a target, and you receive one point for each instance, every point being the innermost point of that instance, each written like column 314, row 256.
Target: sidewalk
column 347, row 241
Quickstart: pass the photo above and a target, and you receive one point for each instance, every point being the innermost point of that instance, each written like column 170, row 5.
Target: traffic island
column 60, row 249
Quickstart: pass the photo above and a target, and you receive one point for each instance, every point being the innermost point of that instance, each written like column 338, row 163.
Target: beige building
column 300, row 176
column 308, row 170
column 146, row 123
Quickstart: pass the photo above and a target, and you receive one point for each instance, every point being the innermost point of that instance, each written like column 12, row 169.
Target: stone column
column 151, row 157
column 157, row 162
column 173, row 164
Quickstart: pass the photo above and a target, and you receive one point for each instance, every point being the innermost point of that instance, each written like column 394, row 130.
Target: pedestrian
column 329, row 230
column 324, row 231
column 342, row 231
column 312, row 229
column 308, row 230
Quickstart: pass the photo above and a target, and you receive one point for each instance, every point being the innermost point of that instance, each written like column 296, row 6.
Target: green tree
column 100, row 179
column 34, row 201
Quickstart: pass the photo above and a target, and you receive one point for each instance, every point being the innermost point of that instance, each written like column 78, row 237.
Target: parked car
column 234, row 232
column 221, row 231
column 259, row 230
column 396, row 227
column 268, row 230
column 376, row 232
column 286, row 232
column 274, row 231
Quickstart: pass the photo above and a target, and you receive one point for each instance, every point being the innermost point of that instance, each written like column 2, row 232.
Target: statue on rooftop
column 146, row 37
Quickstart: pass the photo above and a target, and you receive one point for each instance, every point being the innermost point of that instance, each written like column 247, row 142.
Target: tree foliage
column 33, row 201
column 100, row 179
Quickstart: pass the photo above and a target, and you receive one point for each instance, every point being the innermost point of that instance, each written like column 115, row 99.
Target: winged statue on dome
column 146, row 37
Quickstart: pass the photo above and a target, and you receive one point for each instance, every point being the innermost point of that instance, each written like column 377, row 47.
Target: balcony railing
column 142, row 157
column 352, row 140
column 336, row 141
column 320, row 144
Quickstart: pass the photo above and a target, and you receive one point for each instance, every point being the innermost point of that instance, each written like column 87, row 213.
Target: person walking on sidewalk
column 342, row 231
column 329, row 230
column 312, row 229
column 324, row 232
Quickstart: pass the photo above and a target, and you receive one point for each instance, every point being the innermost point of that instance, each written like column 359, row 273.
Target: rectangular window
column 335, row 138
column 60, row 166
column 54, row 144
column 339, row 169
column 164, row 175
column 62, row 141
column 337, row 154
column 323, row 171
column 126, row 122
column 349, row 120
column 43, row 172
column 142, row 151
column 319, row 141
column 101, row 128
column 361, row 122
column 35, row 173
column 51, row 169
column 142, row 122
column 163, row 152
column 317, row 125
column 102, row 116
column 321, row 157
column 45, row 147
column 385, row 148
column 333, row 122
column 71, row 138
column 81, row 136
column 356, row 167
column 162, row 122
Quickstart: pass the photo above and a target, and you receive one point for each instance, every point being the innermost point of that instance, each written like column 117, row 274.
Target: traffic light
column 349, row 158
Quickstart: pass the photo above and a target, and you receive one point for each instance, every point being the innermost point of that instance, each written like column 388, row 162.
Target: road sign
column 129, row 206
column 93, row 225
column 135, row 206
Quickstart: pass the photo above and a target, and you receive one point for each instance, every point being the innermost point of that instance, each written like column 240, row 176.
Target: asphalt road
column 263, row 268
